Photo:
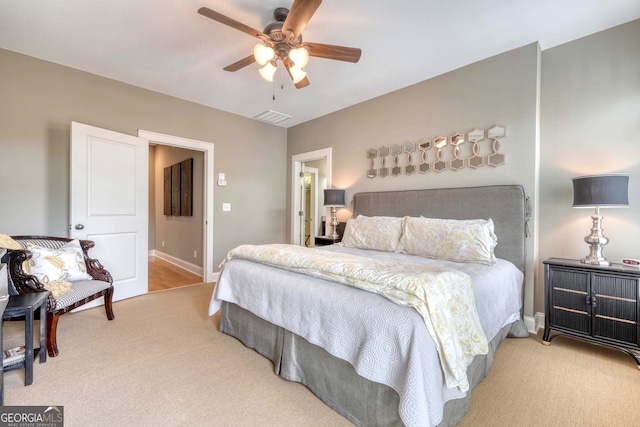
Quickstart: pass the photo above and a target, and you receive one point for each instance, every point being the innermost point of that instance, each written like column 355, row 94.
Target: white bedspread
column 385, row 342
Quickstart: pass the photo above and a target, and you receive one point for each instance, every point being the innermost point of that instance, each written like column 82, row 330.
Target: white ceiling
column 167, row 47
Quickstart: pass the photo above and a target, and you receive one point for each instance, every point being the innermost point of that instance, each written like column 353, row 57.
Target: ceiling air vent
column 272, row 117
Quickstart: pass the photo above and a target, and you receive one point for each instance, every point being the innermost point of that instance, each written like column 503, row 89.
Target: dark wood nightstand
column 325, row 240
column 595, row 303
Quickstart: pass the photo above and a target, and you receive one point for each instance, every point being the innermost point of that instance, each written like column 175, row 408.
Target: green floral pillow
column 63, row 264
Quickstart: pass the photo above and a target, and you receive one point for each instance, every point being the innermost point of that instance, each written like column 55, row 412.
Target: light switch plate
column 226, row 207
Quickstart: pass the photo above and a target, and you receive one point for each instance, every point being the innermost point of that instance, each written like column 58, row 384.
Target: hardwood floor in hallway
column 164, row 275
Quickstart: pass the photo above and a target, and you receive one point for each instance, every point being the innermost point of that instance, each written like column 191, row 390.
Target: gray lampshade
column 601, row 191
column 334, row 197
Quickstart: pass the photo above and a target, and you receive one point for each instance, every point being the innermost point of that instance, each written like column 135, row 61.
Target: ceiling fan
column 282, row 41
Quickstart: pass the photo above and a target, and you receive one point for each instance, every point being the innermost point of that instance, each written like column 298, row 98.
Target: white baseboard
column 195, row 269
column 535, row 323
column 216, row 276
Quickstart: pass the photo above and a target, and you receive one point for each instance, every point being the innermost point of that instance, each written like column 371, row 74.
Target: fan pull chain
column 282, row 77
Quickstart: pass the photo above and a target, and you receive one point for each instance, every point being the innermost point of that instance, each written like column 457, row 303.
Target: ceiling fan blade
column 299, row 16
column 205, row 11
column 340, row 53
column 240, row 64
column 302, row 83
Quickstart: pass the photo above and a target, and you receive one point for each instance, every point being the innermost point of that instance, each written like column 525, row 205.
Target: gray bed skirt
column 335, row 381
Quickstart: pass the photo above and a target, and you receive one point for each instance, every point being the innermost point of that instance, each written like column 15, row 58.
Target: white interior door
column 110, row 203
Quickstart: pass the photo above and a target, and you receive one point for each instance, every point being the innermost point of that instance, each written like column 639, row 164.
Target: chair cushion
column 79, row 291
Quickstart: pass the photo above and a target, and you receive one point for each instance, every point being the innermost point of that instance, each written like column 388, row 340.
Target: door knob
column 79, row 227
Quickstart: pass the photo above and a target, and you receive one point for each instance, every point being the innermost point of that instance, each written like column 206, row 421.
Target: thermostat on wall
column 631, row 262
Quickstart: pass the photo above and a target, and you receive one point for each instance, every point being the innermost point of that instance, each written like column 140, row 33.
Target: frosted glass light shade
column 263, row 54
column 268, row 71
column 297, row 74
column 299, row 56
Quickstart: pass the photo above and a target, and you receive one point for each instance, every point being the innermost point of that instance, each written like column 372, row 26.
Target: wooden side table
column 25, row 306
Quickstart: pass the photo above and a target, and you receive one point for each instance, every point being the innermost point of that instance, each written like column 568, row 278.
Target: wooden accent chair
column 82, row 291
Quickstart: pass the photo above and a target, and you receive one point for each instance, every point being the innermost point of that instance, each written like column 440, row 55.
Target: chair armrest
column 22, row 282
column 94, row 268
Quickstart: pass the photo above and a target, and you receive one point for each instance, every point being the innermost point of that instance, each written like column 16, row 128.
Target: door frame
column 207, row 227
column 296, row 167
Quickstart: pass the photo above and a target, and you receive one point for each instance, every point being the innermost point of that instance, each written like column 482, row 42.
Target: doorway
column 319, row 160
column 177, row 274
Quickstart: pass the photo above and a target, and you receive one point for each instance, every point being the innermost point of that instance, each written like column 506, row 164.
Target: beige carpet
column 162, row 362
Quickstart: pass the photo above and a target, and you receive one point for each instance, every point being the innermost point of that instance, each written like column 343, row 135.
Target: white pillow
column 65, row 263
column 449, row 239
column 380, row 233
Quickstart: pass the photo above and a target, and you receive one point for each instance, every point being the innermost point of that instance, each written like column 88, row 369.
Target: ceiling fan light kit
column 268, row 71
column 282, row 41
column 299, row 56
column 263, row 54
column 297, row 74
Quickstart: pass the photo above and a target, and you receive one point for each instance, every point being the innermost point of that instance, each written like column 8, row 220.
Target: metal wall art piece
column 439, row 154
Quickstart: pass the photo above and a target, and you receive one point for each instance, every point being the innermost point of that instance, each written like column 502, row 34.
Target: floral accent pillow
column 449, row 239
column 380, row 233
column 63, row 264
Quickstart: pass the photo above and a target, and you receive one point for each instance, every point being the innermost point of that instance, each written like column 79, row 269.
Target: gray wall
column 498, row 90
column 590, row 125
column 39, row 100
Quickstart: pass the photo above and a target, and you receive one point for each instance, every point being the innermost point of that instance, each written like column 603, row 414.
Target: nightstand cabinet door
column 615, row 307
column 569, row 299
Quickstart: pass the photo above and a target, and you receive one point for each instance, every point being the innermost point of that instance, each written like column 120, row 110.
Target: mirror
column 496, row 132
column 475, row 135
column 456, row 139
column 440, row 142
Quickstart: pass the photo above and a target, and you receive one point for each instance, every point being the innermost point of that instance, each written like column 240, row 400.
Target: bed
column 370, row 359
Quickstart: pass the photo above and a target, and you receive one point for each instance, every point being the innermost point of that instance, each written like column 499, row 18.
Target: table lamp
column 599, row 191
column 334, row 197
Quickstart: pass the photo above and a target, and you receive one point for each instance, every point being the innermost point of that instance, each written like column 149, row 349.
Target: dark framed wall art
column 178, row 189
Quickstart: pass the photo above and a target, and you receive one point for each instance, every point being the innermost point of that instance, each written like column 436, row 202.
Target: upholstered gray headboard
column 505, row 204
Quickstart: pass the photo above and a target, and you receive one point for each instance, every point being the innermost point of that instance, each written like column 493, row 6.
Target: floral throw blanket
column 443, row 297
